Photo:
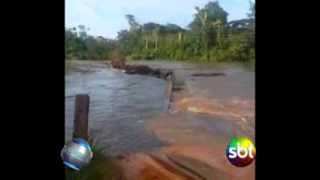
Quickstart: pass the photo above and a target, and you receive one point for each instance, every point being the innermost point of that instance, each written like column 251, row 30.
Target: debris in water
column 208, row 74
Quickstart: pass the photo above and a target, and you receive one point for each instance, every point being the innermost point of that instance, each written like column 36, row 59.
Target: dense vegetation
column 209, row 37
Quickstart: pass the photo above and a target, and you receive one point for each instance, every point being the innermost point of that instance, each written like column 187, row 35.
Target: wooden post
column 169, row 84
column 81, row 115
column 169, row 87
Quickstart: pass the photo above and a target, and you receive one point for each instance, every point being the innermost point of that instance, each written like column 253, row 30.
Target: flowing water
column 120, row 106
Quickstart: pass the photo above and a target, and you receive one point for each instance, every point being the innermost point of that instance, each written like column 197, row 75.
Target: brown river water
column 128, row 113
column 120, row 105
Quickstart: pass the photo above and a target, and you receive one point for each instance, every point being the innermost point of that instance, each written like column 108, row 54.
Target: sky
column 107, row 17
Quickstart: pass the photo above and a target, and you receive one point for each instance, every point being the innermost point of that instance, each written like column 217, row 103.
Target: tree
column 209, row 37
column 80, row 45
column 252, row 16
column 210, row 22
column 83, row 31
column 252, row 11
column 134, row 25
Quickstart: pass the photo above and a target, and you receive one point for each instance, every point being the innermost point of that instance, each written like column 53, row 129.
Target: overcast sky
column 107, row 17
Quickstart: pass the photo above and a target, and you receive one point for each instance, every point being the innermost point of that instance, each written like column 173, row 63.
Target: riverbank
column 248, row 66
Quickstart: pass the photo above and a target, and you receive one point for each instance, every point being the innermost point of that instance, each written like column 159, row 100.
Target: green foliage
column 79, row 45
column 239, row 49
column 218, row 55
column 117, row 55
column 135, row 57
column 209, row 38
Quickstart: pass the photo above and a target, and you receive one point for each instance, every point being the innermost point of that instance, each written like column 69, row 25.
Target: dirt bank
column 183, row 162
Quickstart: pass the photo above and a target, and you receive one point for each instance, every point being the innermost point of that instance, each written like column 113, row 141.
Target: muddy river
column 124, row 107
column 120, row 106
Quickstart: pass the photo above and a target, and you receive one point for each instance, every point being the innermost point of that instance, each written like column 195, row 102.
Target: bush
column 239, row 49
column 149, row 54
column 179, row 55
column 117, row 55
column 135, row 57
column 216, row 55
column 252, row 55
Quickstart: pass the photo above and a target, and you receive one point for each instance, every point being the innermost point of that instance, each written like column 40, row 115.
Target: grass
column 101, row 167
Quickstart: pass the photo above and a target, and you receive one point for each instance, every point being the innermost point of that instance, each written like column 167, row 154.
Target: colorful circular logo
column 241, row 151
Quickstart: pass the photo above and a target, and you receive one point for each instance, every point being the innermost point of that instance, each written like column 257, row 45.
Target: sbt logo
column 240, row 151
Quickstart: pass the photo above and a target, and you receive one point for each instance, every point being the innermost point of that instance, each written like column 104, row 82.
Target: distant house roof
column 242, row 23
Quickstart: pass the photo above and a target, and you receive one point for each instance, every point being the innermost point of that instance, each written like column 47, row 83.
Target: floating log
column 118, row 64
column 138, row 69
column 141, row 69
column 208, row 74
